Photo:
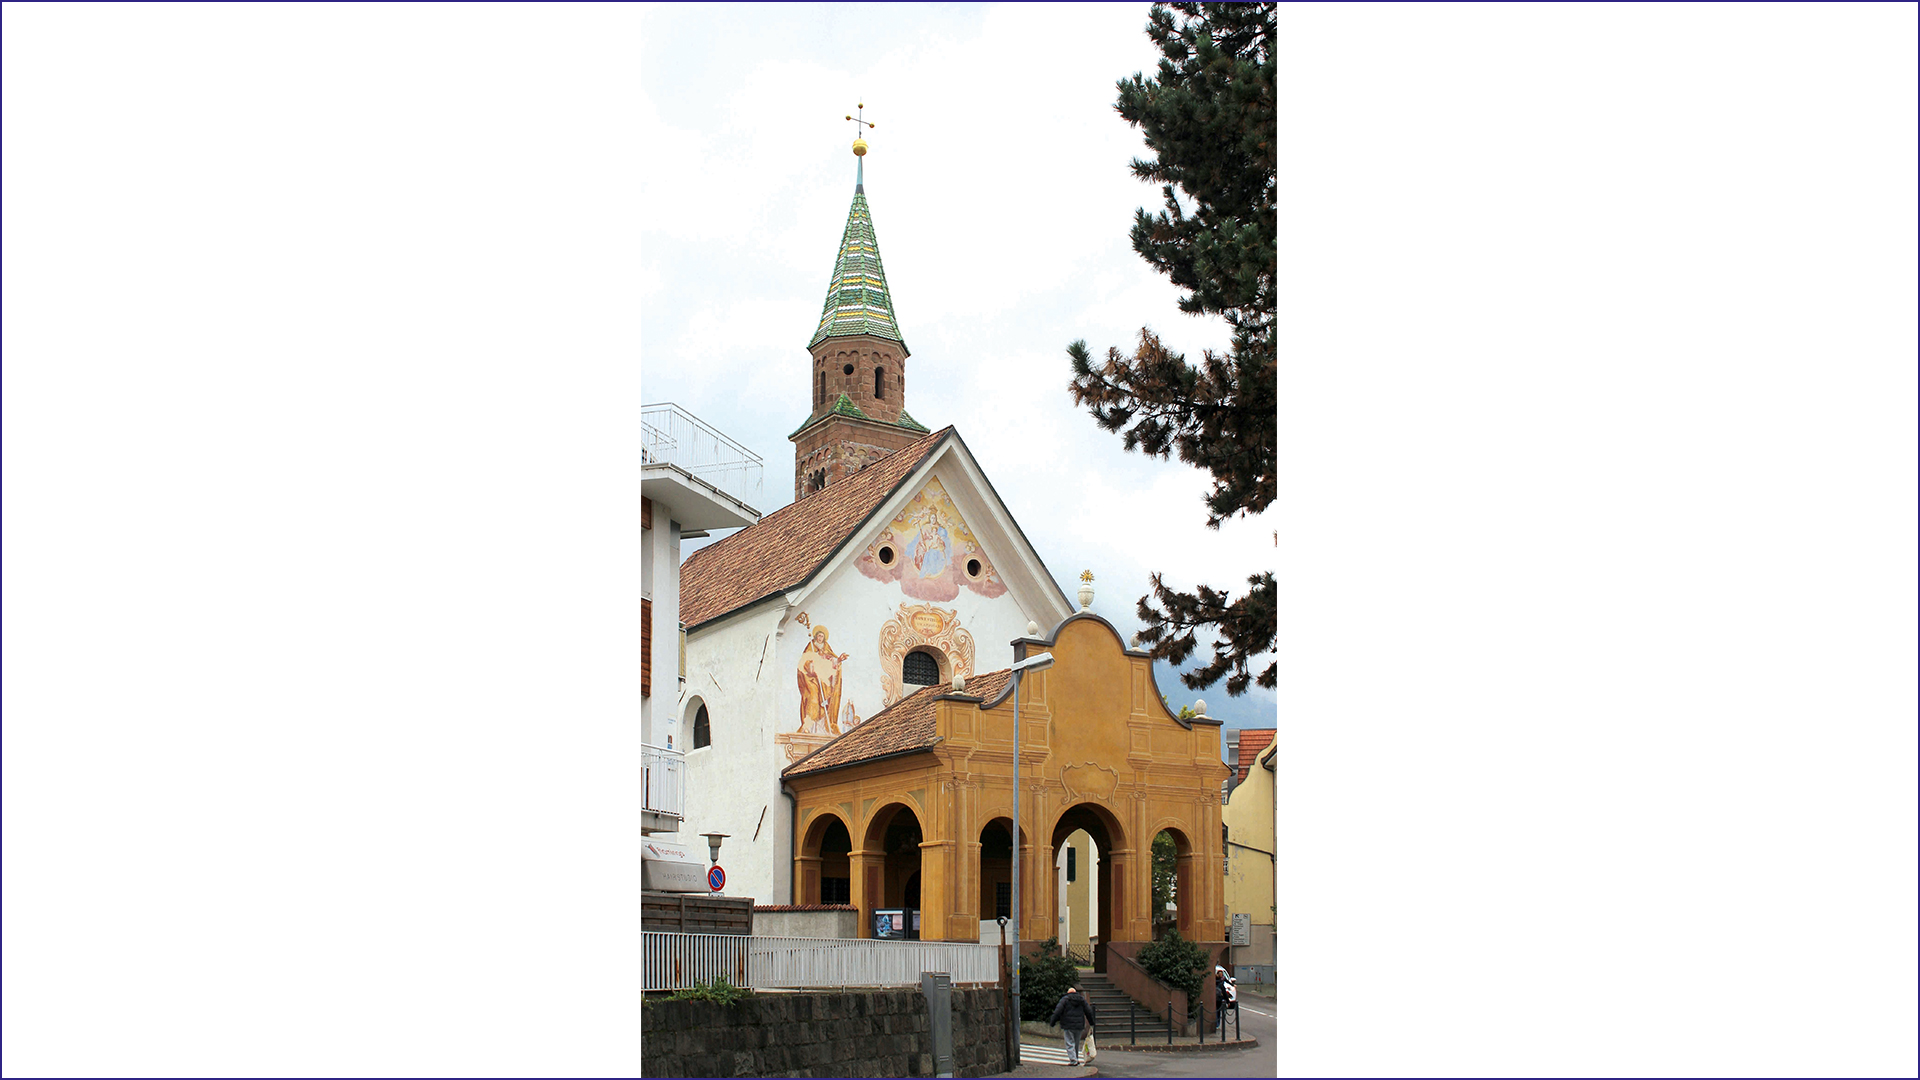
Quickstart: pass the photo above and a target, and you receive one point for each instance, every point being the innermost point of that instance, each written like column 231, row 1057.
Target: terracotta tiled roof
column 786, row 547
column 1252, row 741
column 905, row 725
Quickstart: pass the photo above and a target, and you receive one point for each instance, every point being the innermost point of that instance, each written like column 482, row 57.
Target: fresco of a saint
column 819, row 675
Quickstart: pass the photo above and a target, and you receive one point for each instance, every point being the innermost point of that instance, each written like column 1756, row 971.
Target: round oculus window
column 886, row 556
column 847, row 370
column 973, row 567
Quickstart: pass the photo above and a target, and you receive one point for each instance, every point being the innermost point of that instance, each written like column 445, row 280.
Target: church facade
column 895, row 567
column 843, row 657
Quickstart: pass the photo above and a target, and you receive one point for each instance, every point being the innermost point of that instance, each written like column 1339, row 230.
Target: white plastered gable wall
column 745, row 668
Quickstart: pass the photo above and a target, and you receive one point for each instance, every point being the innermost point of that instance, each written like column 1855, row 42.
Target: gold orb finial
column 859, row 148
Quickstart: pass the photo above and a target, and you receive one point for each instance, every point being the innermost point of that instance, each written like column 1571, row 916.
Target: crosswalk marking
column 1034, row 1053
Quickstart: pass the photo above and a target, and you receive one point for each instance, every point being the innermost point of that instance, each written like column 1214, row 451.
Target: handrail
column 1178, row 997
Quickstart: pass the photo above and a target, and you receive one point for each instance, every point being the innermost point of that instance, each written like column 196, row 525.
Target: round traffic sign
column 716, row 879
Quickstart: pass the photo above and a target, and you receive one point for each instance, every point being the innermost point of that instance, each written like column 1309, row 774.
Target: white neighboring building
column 692, row 480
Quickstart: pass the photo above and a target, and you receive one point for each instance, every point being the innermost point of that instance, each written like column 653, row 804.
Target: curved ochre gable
column 1156, row 701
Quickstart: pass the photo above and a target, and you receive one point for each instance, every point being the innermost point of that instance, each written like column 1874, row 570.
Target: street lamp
column 713, row 847
column 1036, row 662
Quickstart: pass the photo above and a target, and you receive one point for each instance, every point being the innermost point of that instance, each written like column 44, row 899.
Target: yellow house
column 912, row 807
column 1249, row 817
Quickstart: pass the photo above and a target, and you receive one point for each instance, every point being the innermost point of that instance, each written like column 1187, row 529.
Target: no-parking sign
column 716, row 878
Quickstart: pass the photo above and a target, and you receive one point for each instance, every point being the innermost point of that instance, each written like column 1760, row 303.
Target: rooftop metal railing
column 672, row 436
column 663, row 774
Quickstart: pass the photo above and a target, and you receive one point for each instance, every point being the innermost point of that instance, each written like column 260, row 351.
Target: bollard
column 1236, row 1021
column 1133, row 1025
column 1169, row 1021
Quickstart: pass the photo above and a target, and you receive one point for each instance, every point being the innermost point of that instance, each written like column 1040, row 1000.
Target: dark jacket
column 1075, row 1012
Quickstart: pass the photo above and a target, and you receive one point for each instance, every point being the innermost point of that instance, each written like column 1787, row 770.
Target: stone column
column 868, row 869
column 806, row 879
column 937, row 901
column 1130, row 898
column 1189, row 893
column 1034, row 877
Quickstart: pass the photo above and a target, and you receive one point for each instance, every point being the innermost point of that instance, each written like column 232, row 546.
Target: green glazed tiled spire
column 857, row 299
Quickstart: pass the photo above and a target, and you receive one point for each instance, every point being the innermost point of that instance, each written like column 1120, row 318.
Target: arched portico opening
column 1105, row 889
column 1175, row 897
column 1076, row 865
column 826, row 874
column 996, row 869
column 889, row 864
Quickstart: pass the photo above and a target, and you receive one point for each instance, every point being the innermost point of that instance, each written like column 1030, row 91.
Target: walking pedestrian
column 1074, row 1014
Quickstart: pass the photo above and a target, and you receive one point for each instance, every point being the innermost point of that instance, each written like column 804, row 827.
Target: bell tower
column 858, row 382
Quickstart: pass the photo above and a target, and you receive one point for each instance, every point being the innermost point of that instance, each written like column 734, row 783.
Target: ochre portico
column 911, row 809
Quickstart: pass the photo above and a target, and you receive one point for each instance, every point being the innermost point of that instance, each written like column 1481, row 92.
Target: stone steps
column 1112, row 1005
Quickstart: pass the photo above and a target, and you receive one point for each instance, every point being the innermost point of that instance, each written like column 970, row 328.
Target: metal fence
column 673, row 961
column 662, row 780
column 669, row 435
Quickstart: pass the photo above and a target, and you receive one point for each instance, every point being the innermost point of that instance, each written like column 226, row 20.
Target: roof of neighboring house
column 1252, row 741
column 903, row 727
column 787, row 547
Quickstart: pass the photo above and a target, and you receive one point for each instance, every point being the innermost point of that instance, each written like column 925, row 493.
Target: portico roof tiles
column 904, row 726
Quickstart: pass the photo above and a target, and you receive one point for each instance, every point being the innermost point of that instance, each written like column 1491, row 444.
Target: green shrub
column 1045, row 975
column 1177, row 962
column 719, row 991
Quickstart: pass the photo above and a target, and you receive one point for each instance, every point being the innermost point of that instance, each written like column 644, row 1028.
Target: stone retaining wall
column 836, row 1033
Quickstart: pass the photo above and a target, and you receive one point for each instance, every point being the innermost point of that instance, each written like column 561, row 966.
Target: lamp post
column 1036, row 662
column 713, row 847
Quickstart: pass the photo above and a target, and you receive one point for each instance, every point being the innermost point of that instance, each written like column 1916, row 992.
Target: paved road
column 1256, row 1021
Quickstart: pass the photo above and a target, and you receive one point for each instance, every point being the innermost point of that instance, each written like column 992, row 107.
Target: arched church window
column 702, row 730
column 879, row 383
column 820, row 396
column 919, row 668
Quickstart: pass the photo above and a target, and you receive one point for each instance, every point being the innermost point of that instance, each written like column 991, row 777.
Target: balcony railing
column 672, row 436
column 671, row 961
column 663, row 781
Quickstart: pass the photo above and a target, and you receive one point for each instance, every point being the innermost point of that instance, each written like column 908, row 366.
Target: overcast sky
column 323, row 346
column 1001, row 196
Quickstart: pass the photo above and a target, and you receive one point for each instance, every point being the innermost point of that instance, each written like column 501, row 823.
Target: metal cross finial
column 861, row 119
